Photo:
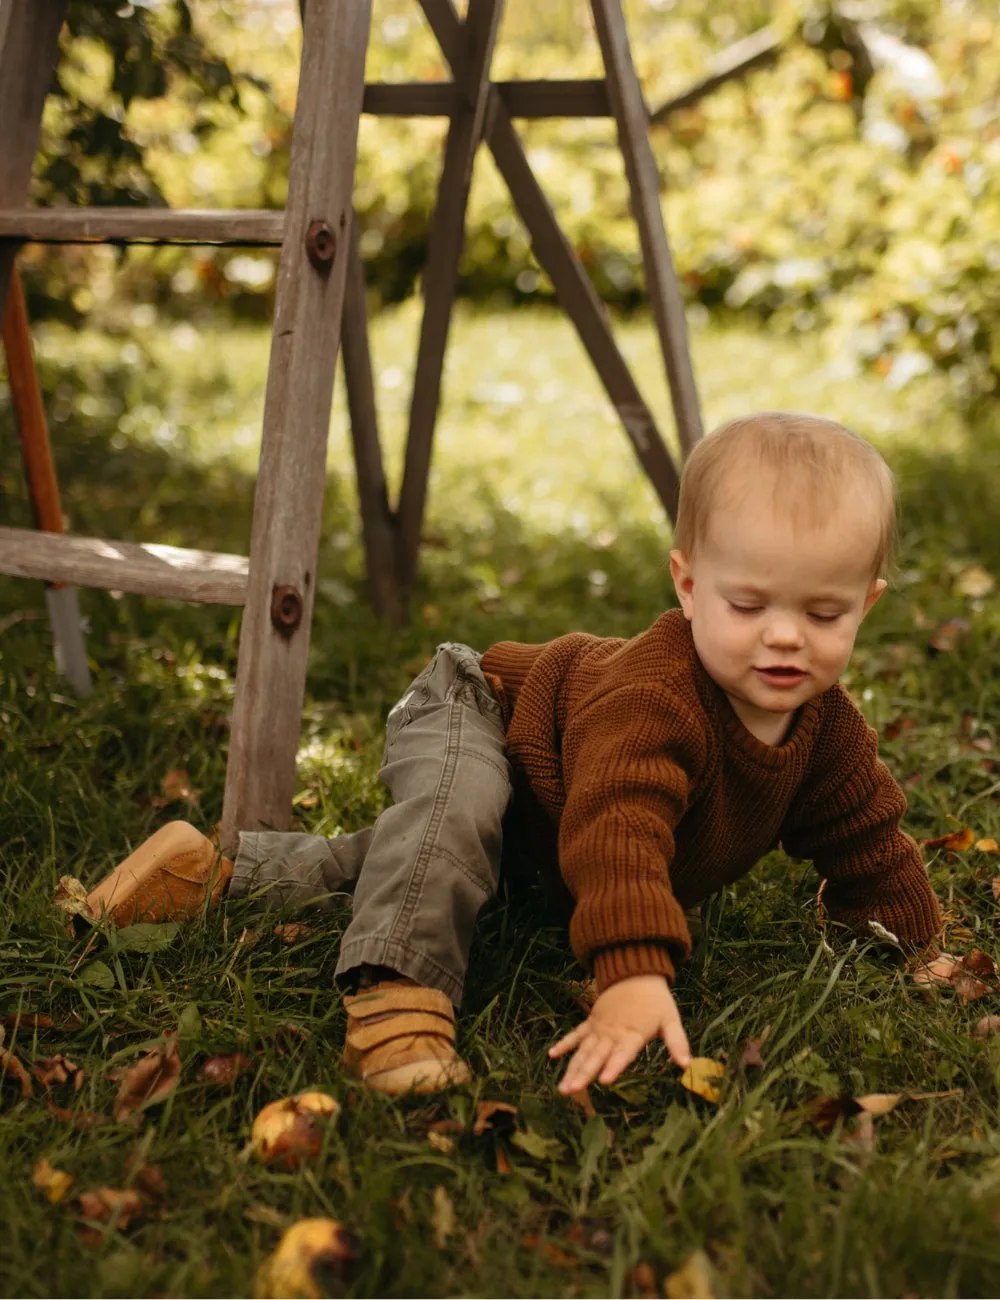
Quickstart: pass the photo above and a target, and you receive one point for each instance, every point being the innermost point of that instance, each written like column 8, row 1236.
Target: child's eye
column 743, row 609
column 824, row 618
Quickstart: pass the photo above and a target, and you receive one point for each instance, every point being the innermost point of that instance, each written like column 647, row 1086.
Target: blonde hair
column 813, row 462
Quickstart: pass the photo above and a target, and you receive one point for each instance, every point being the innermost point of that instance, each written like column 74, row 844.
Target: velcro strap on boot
column 403, row 997
column 362, row 1038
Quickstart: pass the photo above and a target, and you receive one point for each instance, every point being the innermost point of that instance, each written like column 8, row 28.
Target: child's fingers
column 676, row 1041
column 624, row 1054
column 569, row 1041
column 585, row 1066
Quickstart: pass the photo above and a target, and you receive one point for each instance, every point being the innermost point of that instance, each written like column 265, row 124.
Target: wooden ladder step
column 144, row 568
column 247, row 226
column 522, row 98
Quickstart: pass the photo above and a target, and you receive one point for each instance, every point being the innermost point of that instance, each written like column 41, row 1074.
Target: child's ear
column 680, row 571
column 874, row 591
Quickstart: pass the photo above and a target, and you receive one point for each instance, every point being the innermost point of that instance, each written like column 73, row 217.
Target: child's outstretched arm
column 625, row 1017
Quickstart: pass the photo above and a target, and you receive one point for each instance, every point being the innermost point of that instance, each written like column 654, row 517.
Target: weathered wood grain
column 270, row 684
column 630, row 113
column 110, row 225
column 147, row 569
column 583, row 97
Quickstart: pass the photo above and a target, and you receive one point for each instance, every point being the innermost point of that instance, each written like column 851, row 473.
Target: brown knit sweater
column 659, row 795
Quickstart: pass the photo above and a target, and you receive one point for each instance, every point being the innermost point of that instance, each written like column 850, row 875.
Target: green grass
column 539, row 523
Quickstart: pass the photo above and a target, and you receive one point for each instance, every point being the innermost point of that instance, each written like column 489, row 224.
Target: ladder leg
column 274, row 641
column 377, row 523
column 471, row 75
column 29, row 46
column 64, row 606
column 629, row 108
column 573, row 288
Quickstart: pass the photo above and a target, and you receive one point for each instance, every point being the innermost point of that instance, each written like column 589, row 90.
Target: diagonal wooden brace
column 573, row 287
column 471, row 70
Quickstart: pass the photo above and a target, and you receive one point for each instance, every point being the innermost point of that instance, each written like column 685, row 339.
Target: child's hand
column 624, row 1019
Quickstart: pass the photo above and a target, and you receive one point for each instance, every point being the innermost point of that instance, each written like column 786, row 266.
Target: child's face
column 774, row 610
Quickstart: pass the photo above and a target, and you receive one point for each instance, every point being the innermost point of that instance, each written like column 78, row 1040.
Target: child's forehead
column 831, row 544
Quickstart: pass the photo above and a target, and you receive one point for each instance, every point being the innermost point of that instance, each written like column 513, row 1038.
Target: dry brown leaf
column 13, row 1073
column 642, row 1280
column 176, row 785
column 584, row 993
column 313, row 1259
column 111, row 1204
column 151, row 1080
column 147, row 1179
column 826, row 1111
column 441, row 1142
column 52, row 1183
column 79, row 1119
column 58, row 1069
column 954, row 842
column 549, row 1250
column 485, row 1111
column 443, row 1220
column 28, row 1020
column 289, row 1131
column 986, row 1026
column 503, row 1165
column 582, row 1099
column 938, row 971
column 750, row 1055
column 291, row 931
column 692, row 1281
column 700, row 1076
column 223, row 1071
column 71, row 897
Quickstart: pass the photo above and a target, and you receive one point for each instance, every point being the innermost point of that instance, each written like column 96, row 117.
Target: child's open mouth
column 781, row 676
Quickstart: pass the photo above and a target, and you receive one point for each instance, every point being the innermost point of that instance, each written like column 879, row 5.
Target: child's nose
column 782, row 631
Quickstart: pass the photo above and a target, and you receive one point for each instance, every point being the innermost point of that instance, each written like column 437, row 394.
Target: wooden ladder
column 320, row 301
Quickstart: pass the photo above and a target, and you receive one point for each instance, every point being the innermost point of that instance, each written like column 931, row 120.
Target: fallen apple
column 291, row 1130
column 311, row 1260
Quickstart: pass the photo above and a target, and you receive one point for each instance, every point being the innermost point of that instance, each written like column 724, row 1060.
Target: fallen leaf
column 441, row 1142
column 502, row 1164
column 549, row 1250
column 292, row 931
column 750, row 1055
column 58, row 1069
column 151, row 1080
column 71, row 897
column 995, row 886
column 111, row 1205
column 78, row 1119
column 954, row 842
column 223, row 1071
column 52, row 1183
column 485, row 1111
column 314, row 1258
column 642, row 1280
column 584, row 994
column 145, row 1178
column 582, row 1099
column 176, row 785
column 975, row 581
column 826, row 1111
column 291, row 1130
column 13, row 1073
column 28, row 1020
column 699, row 1075
column 948, row 636
column 987, row 846
column 443, row 1219
column 692, row 1281
column 985, row 1026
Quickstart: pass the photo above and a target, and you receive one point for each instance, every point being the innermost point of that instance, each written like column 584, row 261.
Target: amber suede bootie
column 167, row 878
column 401, row 1038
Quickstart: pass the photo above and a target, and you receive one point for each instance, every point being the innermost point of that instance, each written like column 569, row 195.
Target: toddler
column 646, row 773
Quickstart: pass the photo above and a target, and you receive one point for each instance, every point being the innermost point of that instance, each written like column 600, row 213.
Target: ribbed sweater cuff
column 614, row 964
column 511, row 662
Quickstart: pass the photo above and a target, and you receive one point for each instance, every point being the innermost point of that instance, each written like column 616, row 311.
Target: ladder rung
column 582, row 98
column 142, row 225
column 144, row 568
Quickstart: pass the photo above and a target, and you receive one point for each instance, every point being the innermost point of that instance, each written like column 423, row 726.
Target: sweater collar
column 793, row 749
